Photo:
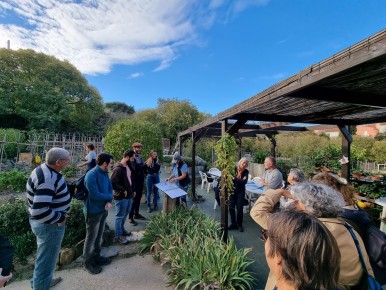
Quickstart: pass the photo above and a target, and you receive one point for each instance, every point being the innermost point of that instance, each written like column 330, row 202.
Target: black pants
column 95, row 226
column 236, row 202
column 137, row 199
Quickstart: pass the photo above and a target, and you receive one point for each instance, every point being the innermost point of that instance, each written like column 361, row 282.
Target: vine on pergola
column 225, row 150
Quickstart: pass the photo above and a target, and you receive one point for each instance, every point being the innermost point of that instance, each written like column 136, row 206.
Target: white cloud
column 94, row 35
column 135, row 75
column 241, row 5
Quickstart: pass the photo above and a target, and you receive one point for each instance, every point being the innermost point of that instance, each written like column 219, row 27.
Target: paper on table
column 171, row 189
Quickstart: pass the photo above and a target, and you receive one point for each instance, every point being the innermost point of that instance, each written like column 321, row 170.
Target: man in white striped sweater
column 48, row 201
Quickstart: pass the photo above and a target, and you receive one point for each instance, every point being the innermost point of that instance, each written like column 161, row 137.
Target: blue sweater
column 100, row 191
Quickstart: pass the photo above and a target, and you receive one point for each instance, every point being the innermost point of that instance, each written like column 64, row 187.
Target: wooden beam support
column 224, row 196
column 236, row 126
column 193, row 182
column 346, row 143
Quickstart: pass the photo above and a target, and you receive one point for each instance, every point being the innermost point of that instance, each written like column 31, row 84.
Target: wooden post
column 224, row 195
column 346, row 142
column 193, row 179
column 273, row 144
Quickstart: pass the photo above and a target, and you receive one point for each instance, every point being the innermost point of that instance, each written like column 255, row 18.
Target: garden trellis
column 13, row 143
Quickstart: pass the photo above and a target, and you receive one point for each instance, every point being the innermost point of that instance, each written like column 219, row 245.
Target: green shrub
column 75, row 224
column 23, row 244
column 260, row 156
column 12, row 137
column 190, row 243
column 13, row 180
column 122, row 135
column 14, row 223
column 69, row 171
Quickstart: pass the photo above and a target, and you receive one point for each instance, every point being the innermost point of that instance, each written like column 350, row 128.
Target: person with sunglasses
column 289, row 241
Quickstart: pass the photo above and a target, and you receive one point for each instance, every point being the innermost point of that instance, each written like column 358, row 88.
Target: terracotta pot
column 357, row 175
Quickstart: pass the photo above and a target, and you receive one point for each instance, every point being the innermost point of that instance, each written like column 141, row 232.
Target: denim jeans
column 49, row 240
column 95, row 225
column 182, row 198
column 151, row 181
column 122, row 210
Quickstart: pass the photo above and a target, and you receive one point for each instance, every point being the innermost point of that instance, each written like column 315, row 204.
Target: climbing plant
column 225, row 150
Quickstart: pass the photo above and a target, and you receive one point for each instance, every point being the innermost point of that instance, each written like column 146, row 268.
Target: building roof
column 348, row 88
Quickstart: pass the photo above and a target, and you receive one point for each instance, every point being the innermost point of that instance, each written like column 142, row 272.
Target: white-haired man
column 48, row 203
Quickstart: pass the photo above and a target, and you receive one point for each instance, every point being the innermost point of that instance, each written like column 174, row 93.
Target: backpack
column 81, row 192
column 375, row 243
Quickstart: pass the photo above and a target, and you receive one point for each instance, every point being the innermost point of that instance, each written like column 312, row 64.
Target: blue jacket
column 100, row 191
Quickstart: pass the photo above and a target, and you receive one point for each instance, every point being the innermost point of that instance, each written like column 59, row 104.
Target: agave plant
column 189, row 242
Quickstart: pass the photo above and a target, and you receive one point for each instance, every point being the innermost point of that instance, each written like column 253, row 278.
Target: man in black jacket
column 123, row 181
column 139, row 167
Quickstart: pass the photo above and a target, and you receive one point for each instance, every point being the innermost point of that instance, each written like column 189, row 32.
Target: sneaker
column 55, row 281
column 155, row 208
column 149, row 210
column 101, row 261
column 138, row 216
column 93, row 268
column 127, row 234
column 121, row 240
column 232, row 227
column 241, row 229
column 132, row 222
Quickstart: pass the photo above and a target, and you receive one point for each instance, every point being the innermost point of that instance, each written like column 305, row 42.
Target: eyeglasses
column 264, row 235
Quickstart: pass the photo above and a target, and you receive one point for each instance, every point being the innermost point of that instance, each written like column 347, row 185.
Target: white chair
column 203, row 179
column 210, row 183
column 215, row 172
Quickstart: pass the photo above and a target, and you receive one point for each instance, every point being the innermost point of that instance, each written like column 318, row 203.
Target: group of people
column 49, row 201
column 308, row 244
column 272, row 179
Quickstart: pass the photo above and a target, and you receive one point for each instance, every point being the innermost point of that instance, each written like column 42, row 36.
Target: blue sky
column 214, row 53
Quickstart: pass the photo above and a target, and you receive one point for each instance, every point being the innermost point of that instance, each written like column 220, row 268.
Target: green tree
column 172, row 116
column 46, row 93
column 366, row 144
column 120, row 107
column 379, row 152
column 123, row 134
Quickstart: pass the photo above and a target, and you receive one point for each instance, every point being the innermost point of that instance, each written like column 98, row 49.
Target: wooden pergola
column 348, row 88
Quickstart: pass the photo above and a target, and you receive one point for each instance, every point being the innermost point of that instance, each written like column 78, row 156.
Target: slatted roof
column 348, row 88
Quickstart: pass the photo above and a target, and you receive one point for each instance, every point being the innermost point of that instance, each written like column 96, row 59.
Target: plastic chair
column 215, row 171
column 203, row 179
column 210, row 183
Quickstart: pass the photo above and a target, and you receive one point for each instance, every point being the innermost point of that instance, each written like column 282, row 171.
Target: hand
column 134, row 194
column 62, row 223
column 125, row 193
column 284, row 192
column 4, row 279
column 108, row 206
